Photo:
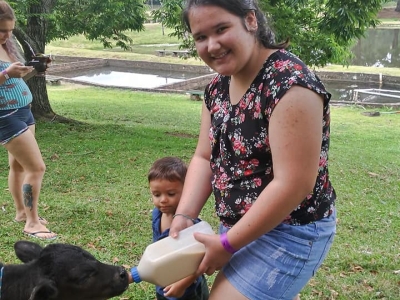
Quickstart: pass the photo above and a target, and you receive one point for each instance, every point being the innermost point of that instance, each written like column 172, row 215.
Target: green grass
column 153, row 34
column 144, row 46
column 390, row 4
column 95, row 192
column 151, row 39
column 96, row 196
column 361, row 69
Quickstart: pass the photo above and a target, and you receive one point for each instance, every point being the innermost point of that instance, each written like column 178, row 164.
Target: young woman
column 17, row 133
column 266, row 117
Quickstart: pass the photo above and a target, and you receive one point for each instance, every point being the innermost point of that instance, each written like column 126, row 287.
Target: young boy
column 166, row 177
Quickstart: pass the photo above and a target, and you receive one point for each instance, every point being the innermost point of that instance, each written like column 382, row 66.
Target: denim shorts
column 13, row 122
column 281, row 262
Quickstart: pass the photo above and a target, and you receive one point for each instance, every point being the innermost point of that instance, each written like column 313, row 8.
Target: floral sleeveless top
column 241, row 160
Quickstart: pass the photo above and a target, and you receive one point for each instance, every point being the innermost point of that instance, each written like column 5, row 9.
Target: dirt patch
column 389, row 13
column 181, row 134
column 69, row 86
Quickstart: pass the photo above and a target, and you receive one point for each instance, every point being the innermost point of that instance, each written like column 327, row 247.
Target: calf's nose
column 122, row 273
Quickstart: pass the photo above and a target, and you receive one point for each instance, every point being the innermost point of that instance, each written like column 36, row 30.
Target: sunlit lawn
column 145, row 44
column 95, row 192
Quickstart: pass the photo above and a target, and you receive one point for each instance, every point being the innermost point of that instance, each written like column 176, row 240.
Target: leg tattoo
column 28, row 195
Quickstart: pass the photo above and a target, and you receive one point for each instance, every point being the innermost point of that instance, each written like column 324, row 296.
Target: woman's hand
column 216, row 256
column 18, row 70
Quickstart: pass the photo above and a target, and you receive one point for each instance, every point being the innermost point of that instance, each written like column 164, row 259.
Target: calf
column 59, row 272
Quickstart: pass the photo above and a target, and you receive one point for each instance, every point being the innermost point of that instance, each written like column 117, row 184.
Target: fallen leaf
column 54, row 157
column 90, row 245
column 334, row 294
column 357, row 268
column 373, row 174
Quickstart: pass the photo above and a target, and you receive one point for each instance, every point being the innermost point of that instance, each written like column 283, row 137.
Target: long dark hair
column 7, row 13
column 240, row 8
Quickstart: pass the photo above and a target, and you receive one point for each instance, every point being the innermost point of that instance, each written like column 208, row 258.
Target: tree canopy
column 103, row 20
column 320, row 31
column 41, row 21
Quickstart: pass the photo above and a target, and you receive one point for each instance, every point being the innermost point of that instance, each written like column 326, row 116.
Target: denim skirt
column 281, row 262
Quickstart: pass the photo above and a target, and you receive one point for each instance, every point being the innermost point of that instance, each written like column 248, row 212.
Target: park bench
column 180, row 53
column 174, row 53
column 54, row 80
column 195, row 95
column 162, row 52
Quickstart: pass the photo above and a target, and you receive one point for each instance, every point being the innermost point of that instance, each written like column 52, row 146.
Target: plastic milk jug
column 170, row 260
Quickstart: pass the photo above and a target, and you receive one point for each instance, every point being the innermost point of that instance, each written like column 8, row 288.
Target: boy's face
column 166, row 194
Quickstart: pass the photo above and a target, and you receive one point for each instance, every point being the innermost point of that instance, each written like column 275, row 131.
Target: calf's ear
column 45, row 290
column 27, row 251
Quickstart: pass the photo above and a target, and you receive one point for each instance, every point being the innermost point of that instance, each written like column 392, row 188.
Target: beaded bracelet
column 225, row 243
column 185, row 216
column 5, row 74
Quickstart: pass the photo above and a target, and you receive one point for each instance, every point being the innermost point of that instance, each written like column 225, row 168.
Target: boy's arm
column 178, row 288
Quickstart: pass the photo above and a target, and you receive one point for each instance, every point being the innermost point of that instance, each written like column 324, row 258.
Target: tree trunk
column 36, row 31
column 33, row 41
column 398, row 6
column 41, row 107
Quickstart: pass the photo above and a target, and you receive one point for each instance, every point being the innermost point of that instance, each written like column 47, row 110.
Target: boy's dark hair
column 168, row 168
column 240, row 8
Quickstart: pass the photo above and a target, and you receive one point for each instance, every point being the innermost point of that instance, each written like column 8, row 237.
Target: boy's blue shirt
column 158, row 235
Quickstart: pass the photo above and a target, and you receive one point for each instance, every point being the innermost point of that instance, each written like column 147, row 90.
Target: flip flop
column 35, row 235
column 42, row 221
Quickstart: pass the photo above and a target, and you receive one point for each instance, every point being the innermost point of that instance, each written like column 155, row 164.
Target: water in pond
column 141, row 78
column 367, row 92
column 372, row 92
column 128, row 77
column 380, row 48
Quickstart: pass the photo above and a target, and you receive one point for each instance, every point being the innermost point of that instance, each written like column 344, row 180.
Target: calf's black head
column 60, row 272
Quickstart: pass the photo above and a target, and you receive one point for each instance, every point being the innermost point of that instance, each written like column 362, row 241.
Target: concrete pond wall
column 392, row 81
column 68, row 64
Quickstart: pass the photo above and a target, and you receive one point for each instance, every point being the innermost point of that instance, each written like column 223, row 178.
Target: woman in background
column 17, row 133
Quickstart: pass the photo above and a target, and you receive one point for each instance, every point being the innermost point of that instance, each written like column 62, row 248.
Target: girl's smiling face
column 223, row 40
